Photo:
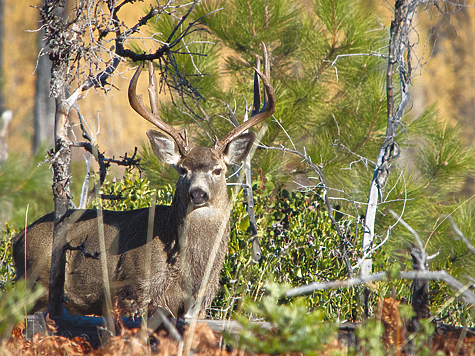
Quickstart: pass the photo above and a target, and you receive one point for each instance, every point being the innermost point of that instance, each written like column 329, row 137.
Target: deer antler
column 153, row 117
column 267, row 110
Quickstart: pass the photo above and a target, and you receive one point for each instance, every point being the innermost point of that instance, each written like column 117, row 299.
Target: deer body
column 170, row 282
column 190, row 237
column 184, row 234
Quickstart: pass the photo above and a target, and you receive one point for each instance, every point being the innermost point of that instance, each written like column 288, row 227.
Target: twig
column 82, row 248
column 407, row 226
column 333, row 64
column 104, row 163
column 461, row 235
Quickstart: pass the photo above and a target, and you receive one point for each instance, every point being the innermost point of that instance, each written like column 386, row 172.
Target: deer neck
column 192, row 222
column 199, row 232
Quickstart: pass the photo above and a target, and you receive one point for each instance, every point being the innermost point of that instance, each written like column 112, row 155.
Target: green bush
column 299, row 246
column 291, row 327
column 132, row 192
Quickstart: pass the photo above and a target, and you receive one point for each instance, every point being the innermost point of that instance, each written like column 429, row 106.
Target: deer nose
column 198, row 196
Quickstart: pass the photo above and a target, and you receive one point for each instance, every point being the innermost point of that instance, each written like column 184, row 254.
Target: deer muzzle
column 198, row 197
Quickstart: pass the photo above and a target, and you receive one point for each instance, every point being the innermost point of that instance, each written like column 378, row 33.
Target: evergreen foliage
column 24, row 183
column 292, row 328
column 329, row 73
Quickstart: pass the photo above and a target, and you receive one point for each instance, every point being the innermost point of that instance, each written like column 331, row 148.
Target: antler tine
column 137, row 104
column 152, row 89
column 257, row 91
column 256, row 104
column 266, row 68
column 267, row 110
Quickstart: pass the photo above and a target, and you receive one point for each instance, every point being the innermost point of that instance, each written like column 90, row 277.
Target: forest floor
column 446, row 340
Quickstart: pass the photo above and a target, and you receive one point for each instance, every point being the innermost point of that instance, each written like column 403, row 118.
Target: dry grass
column 129, row 342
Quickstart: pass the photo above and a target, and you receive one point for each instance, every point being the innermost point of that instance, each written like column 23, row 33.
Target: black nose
column 198, row 196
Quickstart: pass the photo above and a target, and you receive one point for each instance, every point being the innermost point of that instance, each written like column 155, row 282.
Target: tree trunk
column 44, row 109
column 60, row 160
column 5, row 116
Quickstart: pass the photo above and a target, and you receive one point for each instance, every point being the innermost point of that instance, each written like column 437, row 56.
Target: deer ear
column 237, row 150
column 164, row 147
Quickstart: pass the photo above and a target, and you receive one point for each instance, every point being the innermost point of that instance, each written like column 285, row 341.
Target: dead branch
column 82, row 248
column 470, row 247
column 398, row 60
column 462, row 290
column 105, row 163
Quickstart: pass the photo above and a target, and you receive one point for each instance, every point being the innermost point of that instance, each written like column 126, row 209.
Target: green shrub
column 299, row 246
column 132, row 192
column 291, row 327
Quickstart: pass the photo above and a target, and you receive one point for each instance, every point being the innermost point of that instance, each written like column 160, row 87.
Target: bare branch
column 462, row 290
column 470, row 247
column 82, row 248
column 411, row 230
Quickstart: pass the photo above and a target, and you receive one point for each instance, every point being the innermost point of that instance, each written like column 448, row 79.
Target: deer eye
column 217, row 171
column 182, row 170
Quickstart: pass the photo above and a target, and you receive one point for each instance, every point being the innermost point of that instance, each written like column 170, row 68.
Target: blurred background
column 447, row 79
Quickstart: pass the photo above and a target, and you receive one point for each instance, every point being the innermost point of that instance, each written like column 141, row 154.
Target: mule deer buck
column 184, row 234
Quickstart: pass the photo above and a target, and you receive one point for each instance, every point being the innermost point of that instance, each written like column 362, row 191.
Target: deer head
column 202, row 170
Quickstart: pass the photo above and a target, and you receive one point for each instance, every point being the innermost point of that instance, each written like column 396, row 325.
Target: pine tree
column 329, row 63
